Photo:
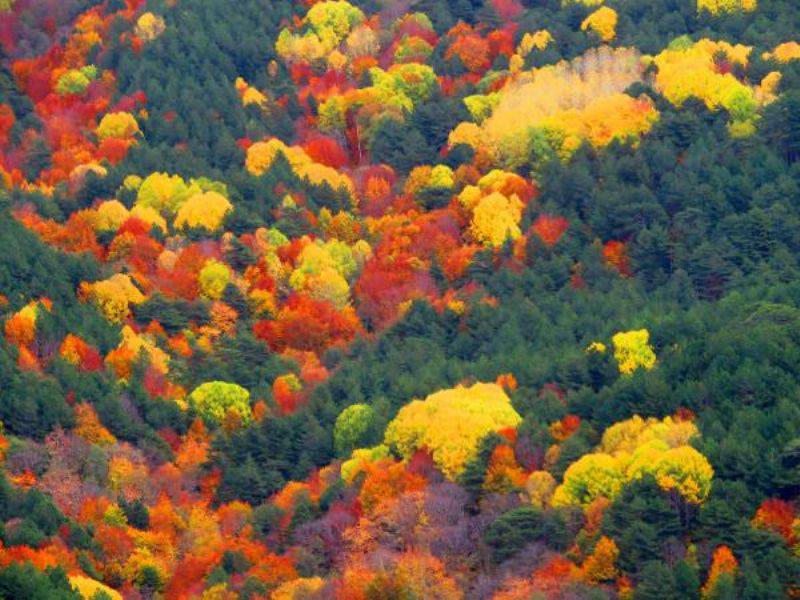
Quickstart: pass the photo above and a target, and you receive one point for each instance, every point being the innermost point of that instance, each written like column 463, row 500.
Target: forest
column 399, row 300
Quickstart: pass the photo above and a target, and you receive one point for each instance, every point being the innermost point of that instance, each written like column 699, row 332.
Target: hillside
column 407, row 300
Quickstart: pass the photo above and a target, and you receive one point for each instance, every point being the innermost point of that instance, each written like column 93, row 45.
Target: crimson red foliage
column 550, row 228
column 327, row 151
column 306, row 324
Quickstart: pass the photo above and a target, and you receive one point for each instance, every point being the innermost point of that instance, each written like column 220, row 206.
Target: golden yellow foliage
column 125, row 474
column 451, row 423
column 538, row 40
column 718, row 7
column 633, row 449
column 682, row 469
column 149, row 27
column 150, row 216
column 626, row 436
column 110, row 215
column 768, row 88
column 261, row 155
column 113, row 296
column 598, row 347
column 297, row 589
column 632, row 351
column 495, row 219
column 88, row 587
column 571, row 101
column 689, row 70
column 203, row 528
column 481, row 106
column 206, row 210
column 783, row 53
column 323, row 270
column 328, row 23
column 603, row 22
column 163, row 193
column 117, row 125
column 253, row 96
column 213, row 278
column 591, row 476
column 250, row 95
column 600, row 566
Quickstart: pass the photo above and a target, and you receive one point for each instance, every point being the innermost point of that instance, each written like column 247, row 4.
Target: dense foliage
column 443, row 299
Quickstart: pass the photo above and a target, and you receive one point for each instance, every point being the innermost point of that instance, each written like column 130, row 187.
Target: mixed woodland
column 426, row 299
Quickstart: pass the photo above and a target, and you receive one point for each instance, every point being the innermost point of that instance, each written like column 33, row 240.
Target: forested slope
column 421, row 299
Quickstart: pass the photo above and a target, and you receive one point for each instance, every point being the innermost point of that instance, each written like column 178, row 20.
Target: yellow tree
column 117, row 125
column 110, row 215
column 783, row 53
column 550, row 103
column 719, row 7
column 495, row 219
column 681, row 469
column 451, row 423
column 634, row 449
column 591, row 476
column 600, row 565
column 163, row 193
column 113, row 296
column 214, row 278
column 213, row 400
column 90, row 588
column 149, row 26
column 626, row 436
column 633, row 351
column 206, row 210
column 603, row 22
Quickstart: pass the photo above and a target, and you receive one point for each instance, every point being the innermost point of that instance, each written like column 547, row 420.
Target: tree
column 603, row 22
column 719, row 583
column 113, row 296
column 718, row 7
column 213, row 278
column 149, row 26
column 496, row 219
column 353, row 426
column 599, row 566
column 24, row 581
column 632, row 351
column 398, row 146
column 205, row 211
column 592, row 476
column 517, row 528
column 90, row 588
column 451, row 423
column 656, row 583
column 213, row 400
column 117, row 125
